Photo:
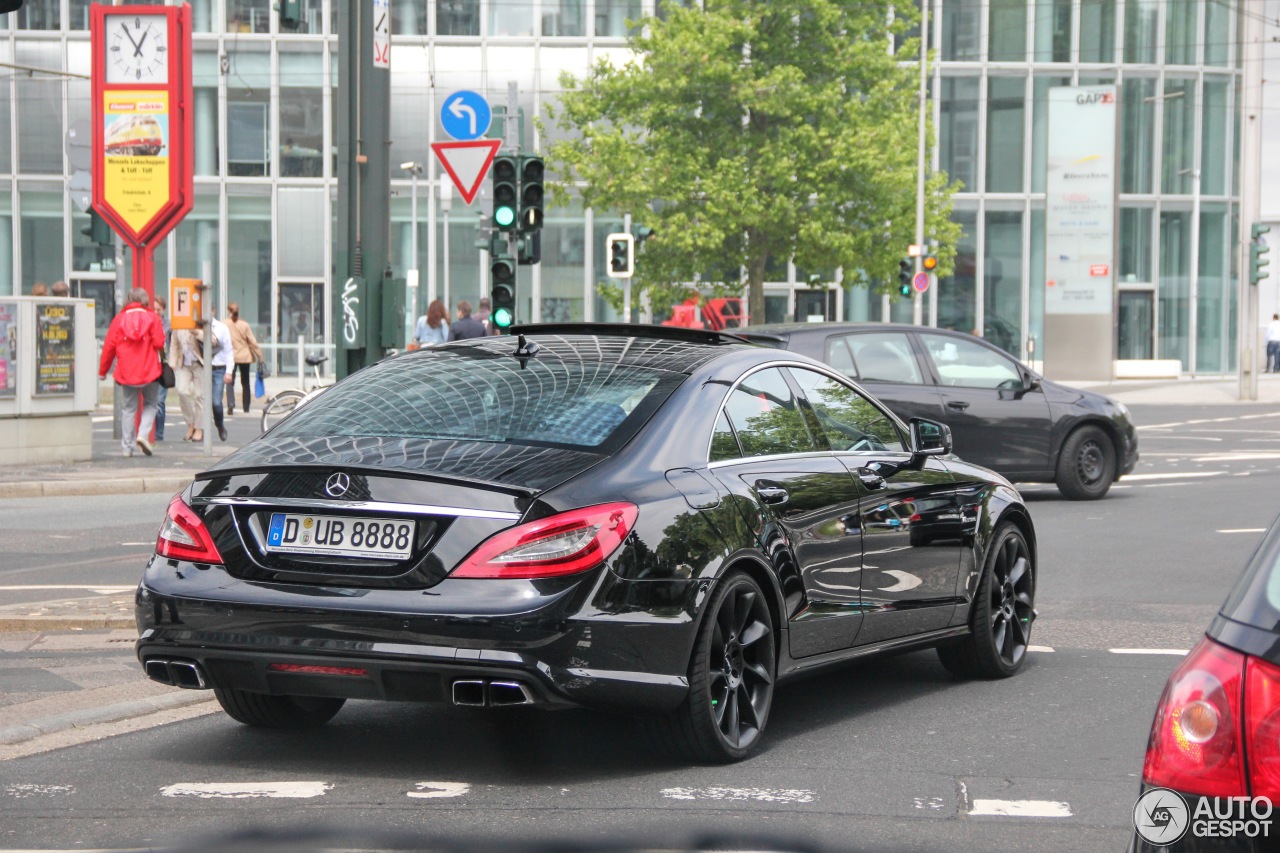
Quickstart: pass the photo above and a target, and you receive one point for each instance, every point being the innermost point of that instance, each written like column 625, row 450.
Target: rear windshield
column 446, row 396
column 1255, row 600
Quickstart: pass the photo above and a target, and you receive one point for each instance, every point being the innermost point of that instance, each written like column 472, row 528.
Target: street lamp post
column 411, row 279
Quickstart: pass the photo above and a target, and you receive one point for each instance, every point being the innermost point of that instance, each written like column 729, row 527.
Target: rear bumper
column 563, row 644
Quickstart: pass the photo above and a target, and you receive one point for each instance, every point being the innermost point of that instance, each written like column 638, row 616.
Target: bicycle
column 280, row 405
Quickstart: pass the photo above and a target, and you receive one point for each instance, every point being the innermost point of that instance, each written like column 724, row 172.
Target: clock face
column 137, row 49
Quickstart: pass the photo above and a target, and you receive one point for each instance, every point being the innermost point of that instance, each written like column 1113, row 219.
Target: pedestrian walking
column 245, row 351
column 466, row 326
column 162, row 309
column 223, row 365
column 61, row 289
column 134, row 341
column 186, row 357
column 483, row 309
column 1273, row 344
column 433, row 327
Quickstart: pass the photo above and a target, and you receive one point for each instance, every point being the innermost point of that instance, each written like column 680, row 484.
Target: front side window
column 849, row 420
column 767, row 417
column 970, row 365
column 885, row 357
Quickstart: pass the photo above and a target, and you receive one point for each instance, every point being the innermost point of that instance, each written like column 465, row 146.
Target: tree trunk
column 755, row 280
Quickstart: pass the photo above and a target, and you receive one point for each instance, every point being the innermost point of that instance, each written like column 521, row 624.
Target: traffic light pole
column 917, row 298
column 626, row 282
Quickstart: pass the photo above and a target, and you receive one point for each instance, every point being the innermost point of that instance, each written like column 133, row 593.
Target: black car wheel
column 1087, row 464
column 1003, row 610
column 730, row 678
column 277, row 712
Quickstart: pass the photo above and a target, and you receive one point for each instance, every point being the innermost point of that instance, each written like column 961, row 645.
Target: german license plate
column 340, row 536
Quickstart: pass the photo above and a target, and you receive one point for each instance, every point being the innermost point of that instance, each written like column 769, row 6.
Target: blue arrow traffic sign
column 465, row 115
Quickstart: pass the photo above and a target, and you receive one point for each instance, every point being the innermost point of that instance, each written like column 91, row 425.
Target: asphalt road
column 891, row 754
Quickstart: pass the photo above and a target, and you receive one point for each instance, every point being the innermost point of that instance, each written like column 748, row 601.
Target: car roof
column 787, row 329
column 657, row 347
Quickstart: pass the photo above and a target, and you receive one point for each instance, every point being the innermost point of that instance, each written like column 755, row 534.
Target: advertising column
column 1080, row 215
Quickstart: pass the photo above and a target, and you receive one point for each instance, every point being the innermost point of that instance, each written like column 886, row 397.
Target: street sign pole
column 917, row 301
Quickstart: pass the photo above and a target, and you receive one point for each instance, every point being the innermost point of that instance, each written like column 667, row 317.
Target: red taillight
column 1195, row 739
column 313, row 669
column 561, row 544
column 183, row 536
column 1262, row 727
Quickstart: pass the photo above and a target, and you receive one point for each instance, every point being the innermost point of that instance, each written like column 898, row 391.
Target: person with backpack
column 134, row 342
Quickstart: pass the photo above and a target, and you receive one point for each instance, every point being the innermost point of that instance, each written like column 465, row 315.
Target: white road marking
column 137, row 544
column 101, row 589
column 1244, row 530
column 1039, row 648
column 434, row 790
column 1242, row 456
column 247, row 790
column 931, row 803
column 28, row 789
column 1179, row 652
column 1021, row 808
column 1129, row 478
column 763, row 795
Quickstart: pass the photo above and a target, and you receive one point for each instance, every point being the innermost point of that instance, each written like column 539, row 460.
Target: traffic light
column 929, row 263
column 504, row 193
column 904, row 277
column 289, row 14
column 531, row 193
column 502, row 273
column 1258, row 249
column 643, row 232
column 98, row 230
column 621, row 255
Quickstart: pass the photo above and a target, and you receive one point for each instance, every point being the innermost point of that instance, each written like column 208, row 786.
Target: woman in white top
column 186, row 359
column 433, row 327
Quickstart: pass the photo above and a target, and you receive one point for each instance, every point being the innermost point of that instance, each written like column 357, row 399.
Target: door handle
column 771, row 493
column 870, row 478
column 958, row 405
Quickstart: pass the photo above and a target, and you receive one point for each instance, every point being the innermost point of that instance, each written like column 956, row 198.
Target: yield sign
column 467, row 163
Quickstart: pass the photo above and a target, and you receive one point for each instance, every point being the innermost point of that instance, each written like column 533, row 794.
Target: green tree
column 757, row 129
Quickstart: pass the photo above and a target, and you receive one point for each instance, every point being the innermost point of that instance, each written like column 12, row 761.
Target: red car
column 1216, row 734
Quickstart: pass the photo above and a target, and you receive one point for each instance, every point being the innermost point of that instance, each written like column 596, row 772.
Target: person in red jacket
column 134, row 342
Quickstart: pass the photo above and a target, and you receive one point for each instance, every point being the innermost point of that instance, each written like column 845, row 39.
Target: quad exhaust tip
column 178, row 673
column 493, row 694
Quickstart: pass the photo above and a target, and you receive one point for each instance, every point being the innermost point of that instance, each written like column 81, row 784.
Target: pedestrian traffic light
column 531, row 193
column 1258, row 250
column 904, row 277
column 621, row 255
column 289, row 14
column 98, row 230
column 504, row 193
column 503, row 294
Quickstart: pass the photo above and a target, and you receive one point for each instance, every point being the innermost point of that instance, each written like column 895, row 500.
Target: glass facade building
column 265, row 118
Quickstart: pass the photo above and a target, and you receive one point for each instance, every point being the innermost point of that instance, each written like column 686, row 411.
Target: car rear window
column 447, row 396
column 1255, row 599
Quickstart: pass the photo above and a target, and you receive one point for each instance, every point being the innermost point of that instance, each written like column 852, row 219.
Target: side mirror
column 928, row 438
column 1032, row 382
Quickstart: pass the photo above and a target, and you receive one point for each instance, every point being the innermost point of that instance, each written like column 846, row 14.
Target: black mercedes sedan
column 1004, row 416
column 660, row 521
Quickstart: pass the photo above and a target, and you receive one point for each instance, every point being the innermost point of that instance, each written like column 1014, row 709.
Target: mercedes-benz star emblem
column 337, row 484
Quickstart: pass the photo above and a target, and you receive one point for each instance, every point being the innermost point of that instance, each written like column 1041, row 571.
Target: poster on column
column 8, row 350
column 135, row 177
column 1080, row 192
column 55, row 348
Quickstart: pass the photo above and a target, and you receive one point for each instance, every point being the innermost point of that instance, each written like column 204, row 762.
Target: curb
column 104, row 486
column 12, row 735
column 37, row 624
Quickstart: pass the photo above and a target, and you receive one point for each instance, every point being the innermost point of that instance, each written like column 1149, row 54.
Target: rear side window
column 1255, row 600
column 970, row 365
column 440, row 395
column 767, row 417
column 885, row 357
column 837, row 355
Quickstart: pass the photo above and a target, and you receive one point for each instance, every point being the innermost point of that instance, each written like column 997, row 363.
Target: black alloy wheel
column 1003, row 611
column 731, row 678
column 1087, row 465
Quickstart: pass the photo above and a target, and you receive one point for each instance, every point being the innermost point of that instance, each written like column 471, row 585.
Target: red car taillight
column 183, row 536
column 1195, row 743
column 560, row 544
column 1262, row 727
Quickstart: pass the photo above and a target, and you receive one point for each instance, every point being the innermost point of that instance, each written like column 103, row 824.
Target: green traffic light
column 502, row 318
column 504, row 216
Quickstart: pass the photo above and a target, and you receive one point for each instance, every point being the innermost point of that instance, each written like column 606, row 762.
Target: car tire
column 731, row 678
column 1002, row 612
column 1086, row 465
column 277, row 712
